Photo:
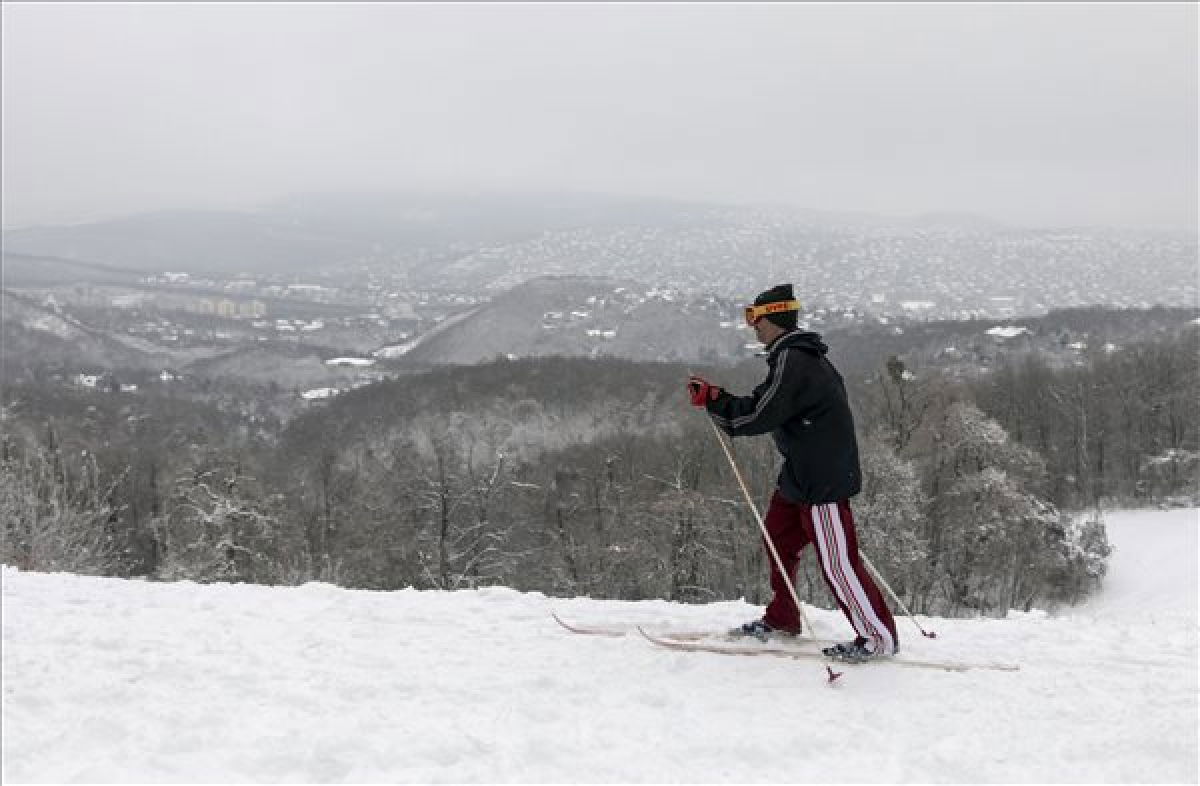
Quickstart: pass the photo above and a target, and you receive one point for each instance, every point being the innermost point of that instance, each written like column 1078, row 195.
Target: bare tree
column 57, row 514
column 218, row 528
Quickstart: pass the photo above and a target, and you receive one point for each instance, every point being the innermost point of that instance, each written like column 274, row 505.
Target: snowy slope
column 108, row 680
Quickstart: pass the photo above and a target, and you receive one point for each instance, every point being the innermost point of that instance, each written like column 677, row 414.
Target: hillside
column 586, row 316
column 589, row 316
column 37, row 335
column 111, row 680
column 41, row 336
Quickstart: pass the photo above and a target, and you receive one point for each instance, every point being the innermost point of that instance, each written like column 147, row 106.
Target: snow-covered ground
column 129, row 681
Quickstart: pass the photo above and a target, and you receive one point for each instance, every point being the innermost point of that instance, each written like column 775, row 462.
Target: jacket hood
column 799, row 339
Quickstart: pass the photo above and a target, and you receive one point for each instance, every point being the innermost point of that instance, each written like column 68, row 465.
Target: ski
column 816, row 654
column 619, row 631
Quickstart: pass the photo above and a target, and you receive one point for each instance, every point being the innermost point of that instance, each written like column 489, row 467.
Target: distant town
column 370, row 303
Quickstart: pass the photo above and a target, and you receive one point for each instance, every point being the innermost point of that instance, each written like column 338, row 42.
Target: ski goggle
column 755, row 313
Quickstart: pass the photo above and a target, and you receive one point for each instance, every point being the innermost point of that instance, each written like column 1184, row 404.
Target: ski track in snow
column 130, row 681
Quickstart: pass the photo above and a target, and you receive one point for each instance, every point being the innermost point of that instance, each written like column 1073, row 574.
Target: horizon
column 275, row 202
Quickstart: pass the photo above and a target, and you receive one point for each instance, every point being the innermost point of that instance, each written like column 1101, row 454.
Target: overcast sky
column 1035, row 114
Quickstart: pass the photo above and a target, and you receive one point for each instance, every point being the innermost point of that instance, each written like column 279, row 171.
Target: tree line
column 592, row 476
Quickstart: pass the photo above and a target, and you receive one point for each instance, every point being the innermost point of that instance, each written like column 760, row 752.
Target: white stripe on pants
column 835, row 561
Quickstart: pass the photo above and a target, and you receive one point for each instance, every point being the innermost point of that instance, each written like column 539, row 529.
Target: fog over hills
column 943, row 265
column 314, row 231
column 189, row 240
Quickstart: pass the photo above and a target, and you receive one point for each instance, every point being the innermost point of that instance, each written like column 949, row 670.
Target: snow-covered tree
column 57, row 513
column 996, row 542
column 217, row 527
column 890, row 514
column 1080, row 560
column 995, row 539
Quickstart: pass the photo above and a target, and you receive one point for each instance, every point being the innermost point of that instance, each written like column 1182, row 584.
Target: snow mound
column 319, row 393
column 1011, row 331
column 349, row 362
column 134, row 681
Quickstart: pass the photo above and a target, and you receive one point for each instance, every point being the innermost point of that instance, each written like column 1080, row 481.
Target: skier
column 803, row 404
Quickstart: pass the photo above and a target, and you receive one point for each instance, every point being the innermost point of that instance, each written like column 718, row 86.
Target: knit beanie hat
column 779, row 294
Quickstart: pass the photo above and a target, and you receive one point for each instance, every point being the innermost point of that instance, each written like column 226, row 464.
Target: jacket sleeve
column 769, row 406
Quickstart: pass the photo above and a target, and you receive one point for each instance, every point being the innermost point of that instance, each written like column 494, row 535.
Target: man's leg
column 785, row 525
column 848, row 579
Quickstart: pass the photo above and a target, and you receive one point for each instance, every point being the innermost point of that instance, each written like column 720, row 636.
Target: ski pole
column 895, row 597
column 808, row 626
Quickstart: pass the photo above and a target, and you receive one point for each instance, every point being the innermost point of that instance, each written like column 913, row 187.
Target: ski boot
column 850, row 652
column 761, row 630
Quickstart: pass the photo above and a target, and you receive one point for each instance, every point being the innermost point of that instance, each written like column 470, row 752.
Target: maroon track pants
column 830, row 527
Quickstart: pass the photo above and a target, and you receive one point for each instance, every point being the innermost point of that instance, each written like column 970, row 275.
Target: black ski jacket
column 803, row 404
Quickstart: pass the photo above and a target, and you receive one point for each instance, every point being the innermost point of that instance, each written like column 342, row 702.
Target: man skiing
column 803, row 404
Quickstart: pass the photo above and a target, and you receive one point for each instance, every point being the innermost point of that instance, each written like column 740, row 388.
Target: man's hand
column 700, row 392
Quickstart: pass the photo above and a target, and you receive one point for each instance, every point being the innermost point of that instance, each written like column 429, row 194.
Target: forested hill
column 530, row 395
column 595, row 476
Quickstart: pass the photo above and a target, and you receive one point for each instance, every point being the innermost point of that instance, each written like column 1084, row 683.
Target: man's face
column 764, row 330
column 759, row 329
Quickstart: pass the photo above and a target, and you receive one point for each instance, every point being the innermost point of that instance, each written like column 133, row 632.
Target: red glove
column 700, row 392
